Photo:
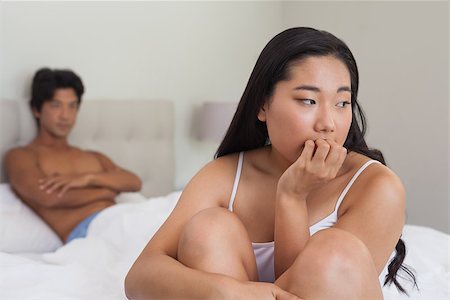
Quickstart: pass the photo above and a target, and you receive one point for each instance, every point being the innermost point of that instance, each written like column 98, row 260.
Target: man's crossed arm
column 28, row 180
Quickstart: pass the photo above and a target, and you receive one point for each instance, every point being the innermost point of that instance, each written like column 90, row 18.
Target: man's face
column 58, row 115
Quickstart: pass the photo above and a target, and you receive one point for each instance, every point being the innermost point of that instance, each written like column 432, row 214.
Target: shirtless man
column 64, row 185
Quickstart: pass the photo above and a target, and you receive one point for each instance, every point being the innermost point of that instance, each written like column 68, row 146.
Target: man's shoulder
column 20, row 152
column 104, row 160
column 93, row 152
column 19, row 157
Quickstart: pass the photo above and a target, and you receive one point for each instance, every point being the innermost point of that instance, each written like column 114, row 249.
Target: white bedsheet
column 95, row 267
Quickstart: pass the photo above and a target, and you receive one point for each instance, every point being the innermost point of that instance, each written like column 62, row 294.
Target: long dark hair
column 246, row 132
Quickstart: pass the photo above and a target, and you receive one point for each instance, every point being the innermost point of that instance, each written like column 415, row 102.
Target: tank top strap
column 236, row 180
column 347, row 188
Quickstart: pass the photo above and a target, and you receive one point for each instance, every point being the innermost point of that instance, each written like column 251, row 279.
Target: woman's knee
column 331, row 257
column 335, row 251
column 215, row 240
column 209, row 228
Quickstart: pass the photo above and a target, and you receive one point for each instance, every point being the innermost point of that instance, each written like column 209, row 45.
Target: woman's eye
column 343, row 103
column 308, row 101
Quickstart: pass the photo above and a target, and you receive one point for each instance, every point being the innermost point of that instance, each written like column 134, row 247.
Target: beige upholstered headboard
column 137, row 135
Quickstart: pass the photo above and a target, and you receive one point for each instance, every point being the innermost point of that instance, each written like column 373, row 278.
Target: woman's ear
column 262, row 113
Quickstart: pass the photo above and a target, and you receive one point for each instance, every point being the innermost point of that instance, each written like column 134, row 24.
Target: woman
column 295, row 204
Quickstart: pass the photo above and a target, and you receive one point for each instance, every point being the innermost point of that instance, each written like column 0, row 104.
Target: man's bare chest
column 68, row 162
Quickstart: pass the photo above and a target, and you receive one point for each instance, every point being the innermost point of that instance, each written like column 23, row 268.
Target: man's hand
column 62, row 183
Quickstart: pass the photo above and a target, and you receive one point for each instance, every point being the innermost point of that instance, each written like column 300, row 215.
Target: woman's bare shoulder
column 377, row 181
column 221, row 167
column 375, row 170
column 215, row 179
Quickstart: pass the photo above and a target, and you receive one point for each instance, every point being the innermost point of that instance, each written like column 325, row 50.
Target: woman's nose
column 325, row 121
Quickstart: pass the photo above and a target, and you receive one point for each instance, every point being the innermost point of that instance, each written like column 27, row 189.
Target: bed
column 35, row 265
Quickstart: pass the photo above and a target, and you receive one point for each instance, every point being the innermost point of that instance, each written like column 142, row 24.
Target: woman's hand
column 260, row 291
column 313, row 168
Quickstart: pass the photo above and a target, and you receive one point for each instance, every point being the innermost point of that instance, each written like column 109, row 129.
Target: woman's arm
column 165, row 278
column 291, row 230
column 157, row 274
column 160, row 276
column 376, row 213
column 311, row 170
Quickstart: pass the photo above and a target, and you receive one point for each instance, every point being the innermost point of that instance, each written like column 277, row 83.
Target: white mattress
column 95, row 267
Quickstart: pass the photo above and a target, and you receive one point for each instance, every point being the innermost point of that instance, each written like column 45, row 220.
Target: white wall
column 1, row 47
column 204, row 51
column 180, row 51
column 402, row 53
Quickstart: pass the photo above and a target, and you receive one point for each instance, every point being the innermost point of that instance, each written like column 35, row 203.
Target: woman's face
column 315, row 102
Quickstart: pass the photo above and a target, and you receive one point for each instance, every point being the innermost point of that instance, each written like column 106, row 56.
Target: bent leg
column 216, row 241
column 334, row 265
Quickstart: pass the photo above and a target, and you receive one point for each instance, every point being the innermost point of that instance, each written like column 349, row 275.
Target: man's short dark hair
column 46, row 81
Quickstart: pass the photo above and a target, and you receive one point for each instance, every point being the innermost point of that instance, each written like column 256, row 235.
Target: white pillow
column 21, row 230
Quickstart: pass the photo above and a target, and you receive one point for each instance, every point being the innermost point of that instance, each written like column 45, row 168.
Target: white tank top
column 264, row 251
